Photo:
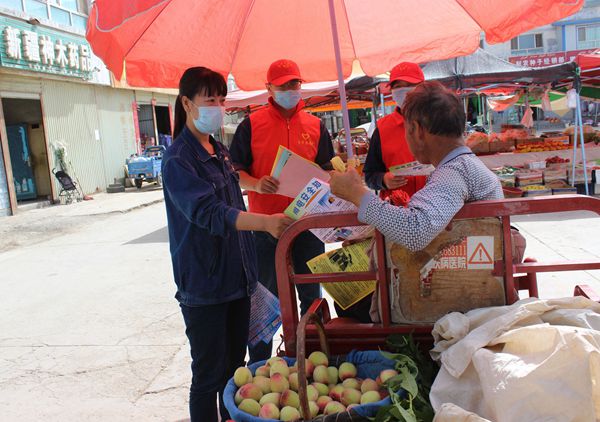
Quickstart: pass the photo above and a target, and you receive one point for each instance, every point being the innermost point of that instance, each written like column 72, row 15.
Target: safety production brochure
column 316, row 198
column 265, row 317
column 414, row 168
column 352, row 258
column 294, row 172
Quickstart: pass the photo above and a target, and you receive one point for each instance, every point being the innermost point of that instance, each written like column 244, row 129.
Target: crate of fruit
column 354, row 387
column 536, row 190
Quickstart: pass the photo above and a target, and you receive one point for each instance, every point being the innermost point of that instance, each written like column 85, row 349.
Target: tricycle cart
column 345, row 334
column 147, row 167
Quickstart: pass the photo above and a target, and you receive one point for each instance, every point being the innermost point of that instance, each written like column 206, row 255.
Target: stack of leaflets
column 294, row 172
column 316, row 198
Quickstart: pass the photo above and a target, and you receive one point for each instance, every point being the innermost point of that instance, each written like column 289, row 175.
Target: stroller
column 69, row 190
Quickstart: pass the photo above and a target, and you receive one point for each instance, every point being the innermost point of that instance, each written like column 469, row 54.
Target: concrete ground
column 90, row 330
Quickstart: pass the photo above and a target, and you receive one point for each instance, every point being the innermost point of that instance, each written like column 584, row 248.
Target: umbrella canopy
column 154, row 41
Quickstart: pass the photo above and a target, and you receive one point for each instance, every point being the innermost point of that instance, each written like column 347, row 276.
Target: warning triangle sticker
column 480, row 256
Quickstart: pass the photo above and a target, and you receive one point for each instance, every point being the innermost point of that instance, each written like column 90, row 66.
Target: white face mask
column 399, row 95
column 210, row 119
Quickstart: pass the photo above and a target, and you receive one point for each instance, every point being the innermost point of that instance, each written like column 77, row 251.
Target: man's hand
column 348, row 186
column 393, row 182
column 275, row 224
column 267, row 184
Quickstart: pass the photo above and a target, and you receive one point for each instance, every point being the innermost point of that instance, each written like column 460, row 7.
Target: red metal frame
column 345, row 334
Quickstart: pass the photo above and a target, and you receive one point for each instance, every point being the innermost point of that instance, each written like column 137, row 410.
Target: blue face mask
column 288, row 99
column 210, row 119
column 399, row 95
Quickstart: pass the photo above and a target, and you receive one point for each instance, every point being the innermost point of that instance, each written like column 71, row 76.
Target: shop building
column 60, row 107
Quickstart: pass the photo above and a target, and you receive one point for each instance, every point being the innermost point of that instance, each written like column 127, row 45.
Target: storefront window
column 12, row 5
column 79, row 22
column 69, row 4
column 60, row 16
column 588, row 36
column 36, row 9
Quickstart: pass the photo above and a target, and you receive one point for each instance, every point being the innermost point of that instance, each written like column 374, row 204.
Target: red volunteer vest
column 269, row 129
column 394, row 148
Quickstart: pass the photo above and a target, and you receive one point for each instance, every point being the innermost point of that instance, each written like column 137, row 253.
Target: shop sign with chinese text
column 37, row 49
column 548, row 59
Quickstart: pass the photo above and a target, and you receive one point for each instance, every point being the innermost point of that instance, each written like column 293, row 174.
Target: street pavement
column 90, row 329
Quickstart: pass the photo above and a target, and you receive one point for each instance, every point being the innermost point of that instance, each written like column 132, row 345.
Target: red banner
column 136, row 127
column 548, row 59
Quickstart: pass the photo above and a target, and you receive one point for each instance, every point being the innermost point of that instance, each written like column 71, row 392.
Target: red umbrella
column 154, row 41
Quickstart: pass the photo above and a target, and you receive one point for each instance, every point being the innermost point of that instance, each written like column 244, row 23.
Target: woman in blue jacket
column 211, row 241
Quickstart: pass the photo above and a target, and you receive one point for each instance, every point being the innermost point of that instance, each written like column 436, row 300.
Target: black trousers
column 306, row 247
column 218, row 335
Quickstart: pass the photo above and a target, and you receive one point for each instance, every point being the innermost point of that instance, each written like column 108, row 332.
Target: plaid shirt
column 459, row 178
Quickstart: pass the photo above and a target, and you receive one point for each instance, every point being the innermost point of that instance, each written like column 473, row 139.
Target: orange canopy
column 156, row 40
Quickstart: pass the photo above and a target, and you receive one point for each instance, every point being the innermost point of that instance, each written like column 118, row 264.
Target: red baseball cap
column 406, row 71
column 283, row 71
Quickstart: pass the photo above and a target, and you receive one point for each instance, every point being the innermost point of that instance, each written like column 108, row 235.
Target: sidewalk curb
column 126, row 210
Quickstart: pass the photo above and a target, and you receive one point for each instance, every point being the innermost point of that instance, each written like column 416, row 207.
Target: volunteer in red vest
column 253, row 151
column 388, row 145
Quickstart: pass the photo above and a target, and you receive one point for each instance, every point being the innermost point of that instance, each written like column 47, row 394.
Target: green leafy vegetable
column 409, row 390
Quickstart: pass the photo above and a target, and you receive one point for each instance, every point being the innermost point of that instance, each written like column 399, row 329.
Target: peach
column 333, row 374
column 293, row 380
column 313, row 410
column 279, row 383
column 269, row 411
column 274, row 359
column 322, row 402
column 347, row 370
column 319, row 358
column 351, row 383
column 279, row 368
column 370, row 397
column 310, row 368
column 248, row 391
column 249, row 406
column 350, row 396
column 294, row 369
column 386, row 374
column 334, row 407
column 242, row 376
column 263, row 383
column 321, row 374
column 289, row 413
column 312, row 393
column 262, row 371
column 336, row 392
column 369, row 385
column 321, row 388
column 270, row 398
column 352, row 406
column 289, row 398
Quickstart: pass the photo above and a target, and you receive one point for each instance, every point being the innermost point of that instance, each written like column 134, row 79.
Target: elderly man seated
column 434, row 124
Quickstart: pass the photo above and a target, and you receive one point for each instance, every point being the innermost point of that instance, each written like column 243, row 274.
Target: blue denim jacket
column 212, row 261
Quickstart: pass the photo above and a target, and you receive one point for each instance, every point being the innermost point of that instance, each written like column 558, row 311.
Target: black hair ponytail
column 196, row 80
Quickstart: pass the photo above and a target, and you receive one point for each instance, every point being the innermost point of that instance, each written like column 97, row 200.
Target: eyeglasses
column 293, row 84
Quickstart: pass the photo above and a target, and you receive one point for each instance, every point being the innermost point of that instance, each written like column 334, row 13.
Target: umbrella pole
column 342, row 85
column 580, row 120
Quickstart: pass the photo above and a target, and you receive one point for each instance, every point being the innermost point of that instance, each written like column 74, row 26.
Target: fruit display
column 557, row 160
column 272, row 392
column 541, row 146
column 478, row 143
